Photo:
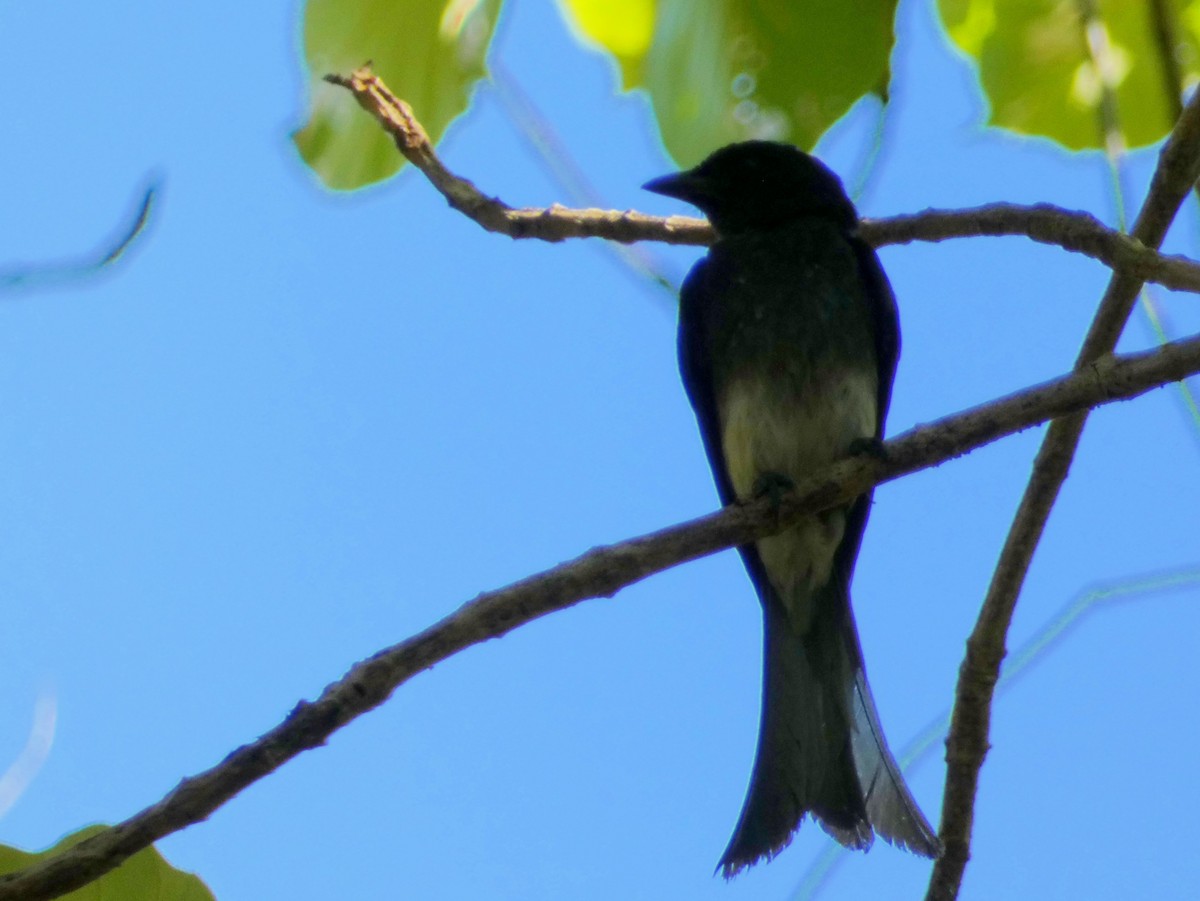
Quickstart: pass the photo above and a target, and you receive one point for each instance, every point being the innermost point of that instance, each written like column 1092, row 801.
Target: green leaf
column 430, row 52
column 144, row 877
column 719, row 71
column 625, row 28
column 1038, row 76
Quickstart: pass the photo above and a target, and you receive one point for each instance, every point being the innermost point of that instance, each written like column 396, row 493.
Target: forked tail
column 821, row 750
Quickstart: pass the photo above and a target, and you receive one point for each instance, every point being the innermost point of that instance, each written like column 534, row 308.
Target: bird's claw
column 773, row 486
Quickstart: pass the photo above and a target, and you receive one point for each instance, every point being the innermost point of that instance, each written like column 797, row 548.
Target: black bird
column 788, row 341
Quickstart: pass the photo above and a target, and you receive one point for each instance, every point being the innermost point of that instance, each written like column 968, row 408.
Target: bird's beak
column 683, row 185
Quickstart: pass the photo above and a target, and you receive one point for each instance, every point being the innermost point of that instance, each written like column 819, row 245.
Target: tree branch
column 600, row 572
column 967, row 745
column 1044, row 223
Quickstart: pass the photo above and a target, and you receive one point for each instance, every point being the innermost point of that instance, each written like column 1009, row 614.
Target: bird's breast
column 777, row 426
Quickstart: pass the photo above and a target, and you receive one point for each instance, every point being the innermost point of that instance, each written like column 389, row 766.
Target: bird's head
column 757, row 185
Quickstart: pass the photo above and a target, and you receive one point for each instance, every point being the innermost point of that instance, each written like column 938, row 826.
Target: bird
column 788, row 342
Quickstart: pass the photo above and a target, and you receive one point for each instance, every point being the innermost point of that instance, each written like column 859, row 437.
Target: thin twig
column 1046, row 224
column 553, row 224
column 1162, row 18
column 44, row 274
column 598, row 573
column 967, row 745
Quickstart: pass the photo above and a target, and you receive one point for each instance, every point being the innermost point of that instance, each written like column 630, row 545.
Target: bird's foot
column 773, row 486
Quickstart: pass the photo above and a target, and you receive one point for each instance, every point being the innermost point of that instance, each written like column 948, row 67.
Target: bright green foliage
column 1038, row 75
column 728, row 70
column 625, row 28
column 144, row 877
column 430, row 52
column 718, row 71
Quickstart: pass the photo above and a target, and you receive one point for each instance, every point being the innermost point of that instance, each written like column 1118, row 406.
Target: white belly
column 767, row 428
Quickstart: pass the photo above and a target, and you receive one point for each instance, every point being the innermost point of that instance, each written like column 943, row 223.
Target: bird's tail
column 821, row 749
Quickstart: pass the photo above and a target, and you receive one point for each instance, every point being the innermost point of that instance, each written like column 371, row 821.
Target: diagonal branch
column 598, row 573
column 967, row 745
column 1044, row 223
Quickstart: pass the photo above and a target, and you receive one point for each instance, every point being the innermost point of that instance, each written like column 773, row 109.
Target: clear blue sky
column 293, row 428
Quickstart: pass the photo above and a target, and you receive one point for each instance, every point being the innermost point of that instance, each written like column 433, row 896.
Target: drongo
column 788, row 341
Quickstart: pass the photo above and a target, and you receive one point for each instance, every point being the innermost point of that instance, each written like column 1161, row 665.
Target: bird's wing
column 695, row 364
column 885, row 321
column 890, row 805
column 885, row 324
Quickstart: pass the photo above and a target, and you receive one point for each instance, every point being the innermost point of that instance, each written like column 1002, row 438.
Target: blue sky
column 292, row 428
